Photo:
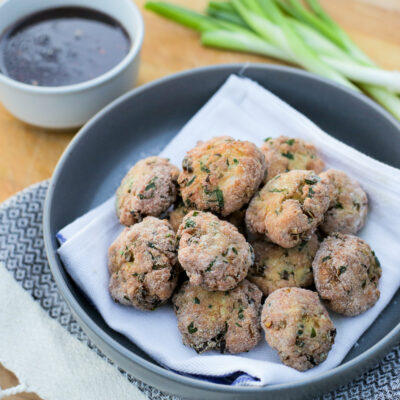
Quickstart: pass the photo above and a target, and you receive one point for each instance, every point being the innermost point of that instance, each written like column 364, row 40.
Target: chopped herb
column 141, row 196
column 290, row 142
column 189, row 223
column 313, row 333
column 376, row 259
column 240, row 313
column 302, row 245
column 151, row 184
column 284, row 275
column 338, row 205
column 300, row 332
column 151, row 245
column 211, row 265
column 157, row 267
column 299, row 343
column 191, row 181
column 275, row 190
column 267, row 139
column 310, row 192
column 342, row 269
column 168, row 235
column 191, row 328
column 234, row 250
column 237, row 324
column 220, row 198
column 288, row 155
column 311, row 181
column 210, row 306
column 235, row 161
column 204, row 167
column 196, row 300
column 121, row 253
column 326, row 258
column 364, row 282
column 135, row 274
column 227, row 162
column 195, row 213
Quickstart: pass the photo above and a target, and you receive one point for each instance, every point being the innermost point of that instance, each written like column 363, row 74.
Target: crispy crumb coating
column 149, row 188
column 228, row 322
column 289, row 207
column 275, row 267
column 221, row 175
column 143, row 264
column 283, row 154
column 346, row 273
column 348, row 207
column 213, row 252
column 297, row 325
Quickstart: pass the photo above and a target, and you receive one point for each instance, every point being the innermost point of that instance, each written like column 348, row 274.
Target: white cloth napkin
column 243, row 109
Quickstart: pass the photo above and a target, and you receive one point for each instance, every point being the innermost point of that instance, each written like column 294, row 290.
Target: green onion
column 289, row 31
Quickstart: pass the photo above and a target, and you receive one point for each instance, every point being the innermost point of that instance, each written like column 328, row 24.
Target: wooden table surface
column 29, row 154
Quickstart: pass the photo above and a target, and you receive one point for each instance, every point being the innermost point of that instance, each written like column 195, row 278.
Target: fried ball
column 297, row 325
column 228, row 322
column 283, row 154
column 149, row 188
column 346, row 273
column 348, row 208
column 221, row 175
column 275, row 267
column 142, row 264
column 289, row 207
column 213, row 252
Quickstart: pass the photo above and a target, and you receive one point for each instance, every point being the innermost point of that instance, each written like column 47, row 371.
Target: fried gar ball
column 297, row 325
column 228, row 322
column 149, row 188
column 213, row 252
column 289, row 207
column 346, row 274
column 283, row 154
column 221, row 175
column 142, row 264
column 348, row 208
column 275, row 267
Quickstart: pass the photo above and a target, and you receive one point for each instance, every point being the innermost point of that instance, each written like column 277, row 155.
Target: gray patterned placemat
column 22, row 251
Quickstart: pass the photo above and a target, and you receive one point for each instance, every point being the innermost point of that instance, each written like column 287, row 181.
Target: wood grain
column 29, row 154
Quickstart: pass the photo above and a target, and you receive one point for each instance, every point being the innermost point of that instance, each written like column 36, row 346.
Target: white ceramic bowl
column 71, row 106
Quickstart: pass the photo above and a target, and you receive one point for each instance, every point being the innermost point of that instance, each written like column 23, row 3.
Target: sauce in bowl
column 62, row 46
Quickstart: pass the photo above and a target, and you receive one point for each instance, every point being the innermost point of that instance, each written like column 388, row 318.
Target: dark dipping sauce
column 62, row 46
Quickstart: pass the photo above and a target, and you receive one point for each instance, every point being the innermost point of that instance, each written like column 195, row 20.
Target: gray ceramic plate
column 141, row 123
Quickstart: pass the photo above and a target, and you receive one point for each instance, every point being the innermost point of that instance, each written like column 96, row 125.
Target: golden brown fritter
column 348, row 208
column 149, row 188
column 142, row 264
column 221, row 175
column 283, row 154
column 228, row 322
column 346, row 273
column 289, row 207
column 297, row 325
column 213, row 252
column 275, row 267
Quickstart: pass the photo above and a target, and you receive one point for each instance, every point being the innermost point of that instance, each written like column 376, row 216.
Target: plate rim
column 79, row 312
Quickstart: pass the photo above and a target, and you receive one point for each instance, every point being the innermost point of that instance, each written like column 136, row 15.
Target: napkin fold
column 243, row 109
